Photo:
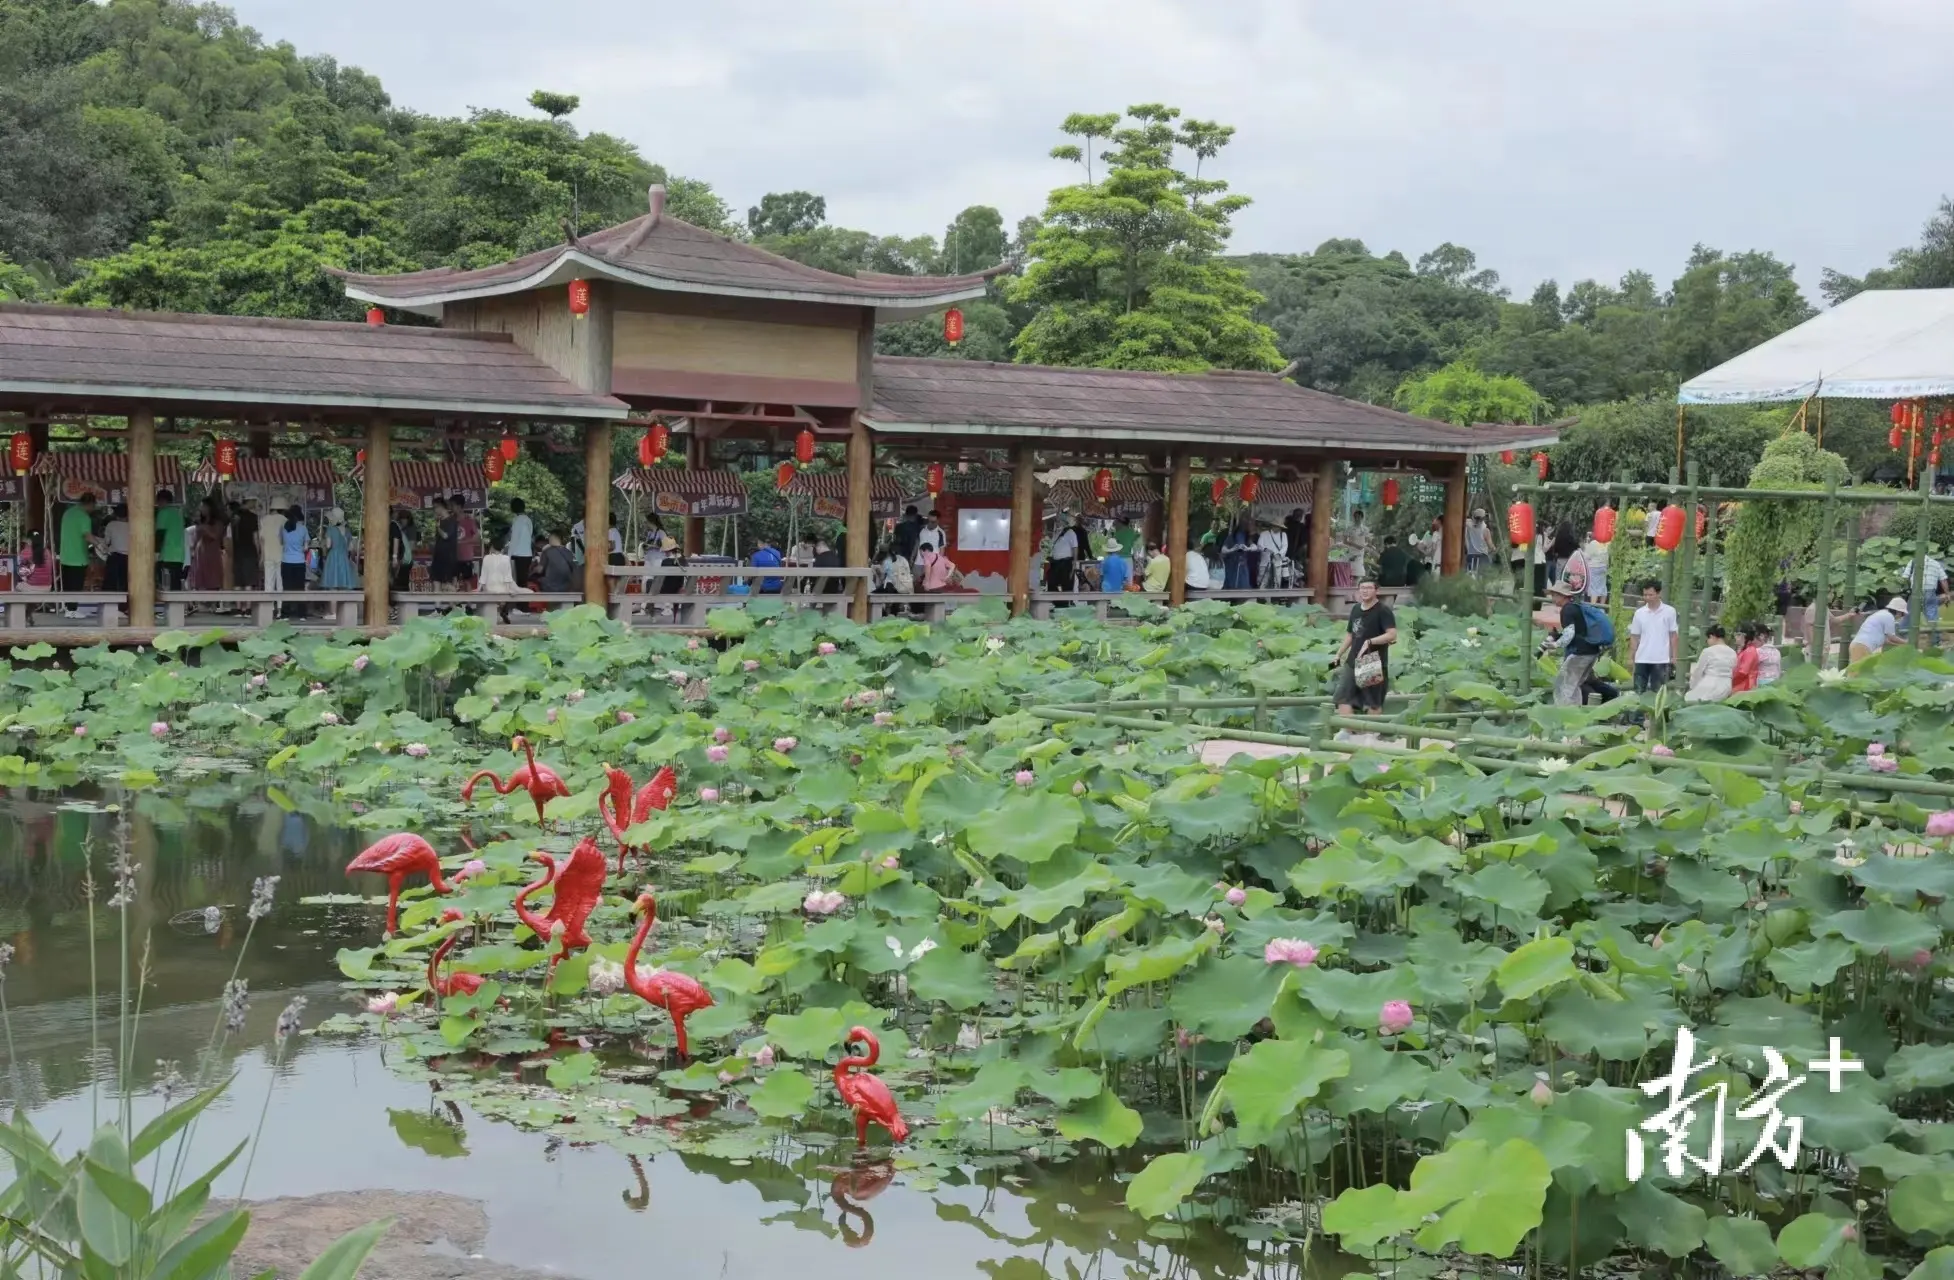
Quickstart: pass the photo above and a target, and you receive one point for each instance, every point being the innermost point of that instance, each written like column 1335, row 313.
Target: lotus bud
column 1394, row 1017
column 825, row 648
column 718, row 755
column 161, row 729
column 1025, row 777
column 708, row 795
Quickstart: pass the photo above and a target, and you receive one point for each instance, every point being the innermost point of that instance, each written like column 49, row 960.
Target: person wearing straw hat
column 1579, row 646
column 1881, row 628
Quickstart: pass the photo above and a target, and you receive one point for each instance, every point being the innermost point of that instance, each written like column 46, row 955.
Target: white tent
column 1884, row 344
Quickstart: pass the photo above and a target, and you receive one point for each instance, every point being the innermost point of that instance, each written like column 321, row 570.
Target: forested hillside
column 157, row 154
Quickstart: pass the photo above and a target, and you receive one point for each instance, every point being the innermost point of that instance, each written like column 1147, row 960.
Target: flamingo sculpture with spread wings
column 455, row 984
column 869, row 1097
column 543, row 783
column 396, row 857
column 579, row 883
column 675, row 993
column 627, row 810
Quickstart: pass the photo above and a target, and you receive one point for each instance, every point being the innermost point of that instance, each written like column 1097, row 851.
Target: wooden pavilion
column 657, row 320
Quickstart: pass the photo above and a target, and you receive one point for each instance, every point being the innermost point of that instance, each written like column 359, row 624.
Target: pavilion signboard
column 668, row 503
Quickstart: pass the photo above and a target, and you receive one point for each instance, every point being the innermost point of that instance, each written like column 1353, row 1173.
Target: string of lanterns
column 1909, row 433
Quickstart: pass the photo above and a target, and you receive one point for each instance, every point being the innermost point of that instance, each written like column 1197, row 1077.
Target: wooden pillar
column 1451, row 556
column 1024, row 530
column 698, row 457
column 861, row 478
column 1322, row 511
column 375, row 517
column 596, row 512
column 1178, row 478
column 142, row 517
column 36, row 489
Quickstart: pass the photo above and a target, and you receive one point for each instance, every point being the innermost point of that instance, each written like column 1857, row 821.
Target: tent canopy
column 1883, row 344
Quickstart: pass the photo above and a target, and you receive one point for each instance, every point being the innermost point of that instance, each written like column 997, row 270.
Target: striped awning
column 680, row 491
column 316, row 473
column 111, row 470
column 421, row 477
column 1287, row 495
column 1129, row 498
column 829, row 490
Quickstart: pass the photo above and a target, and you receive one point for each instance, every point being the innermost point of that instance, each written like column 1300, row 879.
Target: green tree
column 786, row 213
column 1461, row 394
column 1770, row 531
column 556, row 106
column 1125, row 271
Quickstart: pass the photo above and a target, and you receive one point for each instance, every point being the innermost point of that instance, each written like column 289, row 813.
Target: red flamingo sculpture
column 455, row 984
column 579, row 883
column 675, row 993
column 542, row 782
column 850, row 1189
column 627, row 810
column 396, row 857
column 869, row 1097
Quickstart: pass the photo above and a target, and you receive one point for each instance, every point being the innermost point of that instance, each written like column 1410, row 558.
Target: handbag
column 1369, row 671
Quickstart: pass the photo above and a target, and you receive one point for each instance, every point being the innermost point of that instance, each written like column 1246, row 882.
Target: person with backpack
column 1585, row 632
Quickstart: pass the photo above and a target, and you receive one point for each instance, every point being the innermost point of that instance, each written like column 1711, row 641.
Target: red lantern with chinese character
column 1507, row 456
column 1604, row 525
column 580, row 298
column 660, row 436
column 494, row 465
column 1251, row 486
column 804, row 447
column 1519, row 523
column 225, row 458
column 953, row 326
column 510, row 447
column 783, row 475
column 1669, row 528
column 1102, row 484
column 1390, row 493
column 1540, row 465
column 20, row 451
column 375, row 317
column 1218, row 491
column 933, row 478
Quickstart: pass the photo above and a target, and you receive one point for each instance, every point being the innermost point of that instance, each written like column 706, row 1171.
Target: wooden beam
column 596, row 513
column 1178, row 480
column 1024, row 530
column 861, row 478
column 698, row 457
column 1452, row 534
column 1323, row 506
column 376, row 519
column 142, row 516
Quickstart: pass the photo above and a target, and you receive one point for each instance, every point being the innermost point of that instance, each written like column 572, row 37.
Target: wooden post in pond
column 698, row 457
column 1710, row 531
column 1178, row 480
column 861, row 480
column 1851, row 578
column 376, row 517
column 1686, row 568
column 1451, row 556
column 1024, row 532
column 1669, row 565
column 596, row 513
column 1323, row 507
column 142, row 516
column 1917, row 611
column 1821, row 609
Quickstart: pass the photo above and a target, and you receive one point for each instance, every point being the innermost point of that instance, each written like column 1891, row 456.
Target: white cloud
column 1554, row 139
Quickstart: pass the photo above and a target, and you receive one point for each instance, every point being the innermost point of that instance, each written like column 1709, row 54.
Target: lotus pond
column 1393, row 1008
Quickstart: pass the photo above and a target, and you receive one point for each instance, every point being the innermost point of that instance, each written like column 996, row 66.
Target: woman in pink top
column 938, row 571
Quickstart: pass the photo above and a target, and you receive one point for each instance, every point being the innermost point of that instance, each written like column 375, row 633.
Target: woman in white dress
column 1709, row 676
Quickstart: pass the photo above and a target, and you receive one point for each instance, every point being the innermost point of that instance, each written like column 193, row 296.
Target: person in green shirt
column 1128, row 538
column 169, row 538
column 77, row 527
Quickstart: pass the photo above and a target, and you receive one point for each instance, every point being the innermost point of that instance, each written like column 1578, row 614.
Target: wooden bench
column 18, row 607
column 484, row 604
column 343, row 608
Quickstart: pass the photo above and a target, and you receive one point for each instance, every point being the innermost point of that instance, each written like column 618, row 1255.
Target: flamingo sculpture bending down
column 542, row 782
column 853, row 1186
column 579, row 883
column 395, row 857
column 455, row 984
column 627, row 810
column 675, row 993
column 869, row 1097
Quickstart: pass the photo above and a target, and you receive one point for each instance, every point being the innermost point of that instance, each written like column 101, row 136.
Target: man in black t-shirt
column 1373, row 629
column 909, row 530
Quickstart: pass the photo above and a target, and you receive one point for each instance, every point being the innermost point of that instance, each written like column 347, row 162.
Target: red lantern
column 494, row 465
column 1251, row 486
column 375, row 317
column 580, row 298
column 1390, row 493
column 1506, row 456
column 933, row 478
column 1669, row 528
column 1519, row 523
column 359, row 459
column 1102, row 485
column 510, row 448
column 20, row 451
column 783, row 476
column 1604, row 525
column 953, row 326
column 1893, row 438
column 1218, row 491
column 660, row 436
column 646, row 458
column 1540, row 465
column 1899, row 413
column 225, row 458
column 804, row 447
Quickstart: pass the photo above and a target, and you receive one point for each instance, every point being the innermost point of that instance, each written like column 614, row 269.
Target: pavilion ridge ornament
column 580, row 298
column 1669, row 528
column 225, row 458
column 953, row 326
column 1519, row 523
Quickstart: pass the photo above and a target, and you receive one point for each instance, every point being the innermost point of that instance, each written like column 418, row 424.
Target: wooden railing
column 487, row 604
column 340, row 608
column 104, row 609
column 703, row 587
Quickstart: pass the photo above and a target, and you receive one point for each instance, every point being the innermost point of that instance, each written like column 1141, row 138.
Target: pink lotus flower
column 81, row 731
column 1289, row 951
column 1543, row 1093
column 784, row 745
column 883, row 719
column 625, row 717
column 257, row 681
column 418, row 750
column 316, row 689
column 1941, row 824
column 360, row 663
column 722, row 734
column 676, row 677
column 692, row 642
column 470, row 869
column 750, row 665
column 1875, row 749
column 575, row 695
column 328, row 718
column 1394, row 1018
column 550, row 715
column 867, row 698
column 1884, row 764
column 161, row 729
column 764, row 1058
column 1237, row 896
column 1659, row 750
column 825, row 648
column 725, row 1077
column 1920, row 961
column 708, row 795
column 278, row 660
column 1025, row 777
column 384, row 1004
column 718, row 755
column 891, row 862
column 822, row 903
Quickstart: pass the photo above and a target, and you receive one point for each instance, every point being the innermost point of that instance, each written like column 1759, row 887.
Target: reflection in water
column 342, row 1118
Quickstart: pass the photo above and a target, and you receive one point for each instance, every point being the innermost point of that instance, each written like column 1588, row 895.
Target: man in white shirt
column 1478, row 542
column 522, row 542
column 1933, row 586
column 1273, row 545
column 1197, row 571
column 1654, row 631
column 1059, row 561
column 1427, row 546
column 931, row 537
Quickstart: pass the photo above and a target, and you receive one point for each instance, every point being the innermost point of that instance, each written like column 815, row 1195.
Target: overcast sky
column 1555, row 138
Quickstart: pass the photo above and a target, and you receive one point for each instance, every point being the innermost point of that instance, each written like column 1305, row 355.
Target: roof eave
column 1187, row 435
column 403, row 404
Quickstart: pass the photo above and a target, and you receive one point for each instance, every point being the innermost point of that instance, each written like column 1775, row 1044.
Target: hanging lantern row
column 580, row 298
column 804, row 446
column 1910, row 433
column 783, row 476
column 494, row 465
column 1102, row 485
column 953, row 326
column 20, row 452
column 933, row 479
column 224, row 457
